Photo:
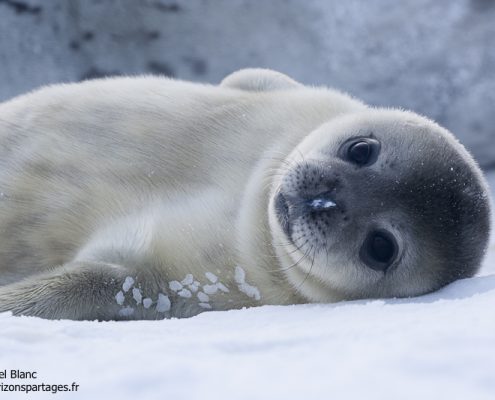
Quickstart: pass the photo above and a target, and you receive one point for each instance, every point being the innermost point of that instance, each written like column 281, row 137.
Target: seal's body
column 144, row 198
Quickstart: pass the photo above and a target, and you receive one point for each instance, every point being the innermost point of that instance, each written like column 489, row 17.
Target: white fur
column 155, row 179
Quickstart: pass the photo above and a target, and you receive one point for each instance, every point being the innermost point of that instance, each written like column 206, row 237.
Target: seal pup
column 149, row 198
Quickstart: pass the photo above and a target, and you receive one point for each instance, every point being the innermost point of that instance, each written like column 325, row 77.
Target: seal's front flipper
column 84, row 291
column 259, row 80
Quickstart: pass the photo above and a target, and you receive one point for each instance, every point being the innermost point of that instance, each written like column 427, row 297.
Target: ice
column 222, row 287
column 210, row 289
column 136, row 294
column 126, row 311
column 128, row 282
column 193, row 288
column 175, row 286
column 239, row 275
column 243, row 286
column 147, row 302
column 203, row 297
column 163, row 304
column 119, row 297
column 250, row 291
column 214, row 287
column 211, row 277
column 184, row 293
column 188, row 280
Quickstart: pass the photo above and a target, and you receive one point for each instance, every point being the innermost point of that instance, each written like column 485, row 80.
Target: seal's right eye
column 361, row 152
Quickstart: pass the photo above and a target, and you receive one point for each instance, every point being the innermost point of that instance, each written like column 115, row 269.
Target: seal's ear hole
column 360, row 151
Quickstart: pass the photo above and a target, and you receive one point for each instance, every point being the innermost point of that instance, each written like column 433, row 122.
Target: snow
column 128, row 282
column 136, row 294
column 211, row 277
column 222, row 287
column 126, row 311
column 438, row 345
column 185, row 293
column 147, row 302
column 119, row 298
column 210, row 289
column 175, row 286
column 243, row 286
column 203, row 297
column 163, row 304
column 188, row 280
column 193, row 287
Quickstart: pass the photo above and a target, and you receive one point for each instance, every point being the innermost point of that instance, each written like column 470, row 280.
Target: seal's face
column 382, row 204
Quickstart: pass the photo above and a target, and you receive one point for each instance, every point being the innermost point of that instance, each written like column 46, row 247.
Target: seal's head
column 383, row 203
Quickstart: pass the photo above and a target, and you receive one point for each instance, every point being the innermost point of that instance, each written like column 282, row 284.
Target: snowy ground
column 440, row 345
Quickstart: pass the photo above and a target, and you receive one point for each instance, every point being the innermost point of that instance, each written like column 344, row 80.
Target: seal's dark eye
column 379, row 250
column 359, row 152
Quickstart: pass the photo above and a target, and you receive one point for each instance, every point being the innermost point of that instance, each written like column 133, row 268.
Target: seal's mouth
column 282, row 212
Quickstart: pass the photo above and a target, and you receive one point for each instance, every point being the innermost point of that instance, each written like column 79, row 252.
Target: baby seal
column 148, row 198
